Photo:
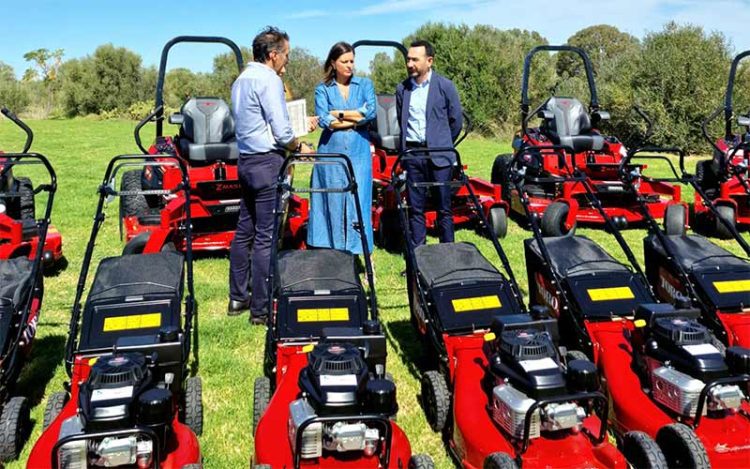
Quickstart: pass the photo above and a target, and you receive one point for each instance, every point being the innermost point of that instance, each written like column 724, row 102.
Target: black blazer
column 444, row 115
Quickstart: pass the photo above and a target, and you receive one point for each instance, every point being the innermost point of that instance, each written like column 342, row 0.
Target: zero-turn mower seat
column 453, row 263
column 386, row 131
column 696, row 252
column 570, row 125
column 15, row 282
column 207, row 131
column 571, row 255
column 316, row 270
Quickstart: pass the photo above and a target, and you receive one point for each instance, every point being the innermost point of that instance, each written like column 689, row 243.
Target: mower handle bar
column 728, row 111
column 159, row 101
column 158, row 115
column 378, row 43
column 14, row 159
column 622, row 170
column 29, row 134
column 325, row 159
column 141, row 431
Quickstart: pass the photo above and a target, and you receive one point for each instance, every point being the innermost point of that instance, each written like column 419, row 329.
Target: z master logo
column 226, row 187
column 668, row 284
column 546, row 295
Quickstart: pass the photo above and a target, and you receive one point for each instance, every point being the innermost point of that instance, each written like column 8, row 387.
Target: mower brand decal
column 732, row 286
column 135, row 321
column 610, row 294
column 545, row 295
column 701, row 349
column 537, row 365
column 342, row 380
column 323, row 314
column 668, row 285
column 477, row 303
column 123, row 392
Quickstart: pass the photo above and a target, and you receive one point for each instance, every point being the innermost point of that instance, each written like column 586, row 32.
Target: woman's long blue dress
column 332, row 215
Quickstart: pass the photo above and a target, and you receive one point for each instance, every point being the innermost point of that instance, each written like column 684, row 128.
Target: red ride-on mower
column 385, row 141
column 691, row 266
column 724, row 178
column 130, row 401
column 21, row 293
column 326, row 385
column 662, row 369
column 20, row 233
column 566, row 123
column 497, row 388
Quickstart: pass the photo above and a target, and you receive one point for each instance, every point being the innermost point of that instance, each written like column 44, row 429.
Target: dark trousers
column 427, row 171
column 258, row 174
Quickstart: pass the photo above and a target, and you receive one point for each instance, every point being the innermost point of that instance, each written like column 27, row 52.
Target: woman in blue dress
column 345, row 104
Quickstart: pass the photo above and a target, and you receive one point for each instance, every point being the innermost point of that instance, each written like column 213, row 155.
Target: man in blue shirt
column 264, row 133
column 430, row 116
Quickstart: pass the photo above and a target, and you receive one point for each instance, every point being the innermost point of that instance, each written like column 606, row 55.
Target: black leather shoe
column 236, row 308
column 258, row 320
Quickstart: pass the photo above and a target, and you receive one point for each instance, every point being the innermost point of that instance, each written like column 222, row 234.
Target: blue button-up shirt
column 416, row 129
column 259, row 105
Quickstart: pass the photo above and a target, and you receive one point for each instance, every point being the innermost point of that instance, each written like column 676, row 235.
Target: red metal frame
column 731, row 191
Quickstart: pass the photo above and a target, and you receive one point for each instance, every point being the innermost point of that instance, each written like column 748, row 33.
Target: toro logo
column 668, row 285
column 545, row 295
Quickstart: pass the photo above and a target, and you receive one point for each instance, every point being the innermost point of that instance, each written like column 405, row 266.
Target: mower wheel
column 193, row 417
column 553, row 220
column 681, row 447
column 262, row 466
column 26, row 190
column 726, row 212
column 137, row 244
column 15, row 424
column 705, row 175
column 498, row 221
column 674, row 220
column 193, row 466
column 261, row 397
column 54, row 406
column 132, row 205
column 571, row 355
column 499, row 461
column 641, row 451
column 436, row 399
column 499, row 173
column 421, row 461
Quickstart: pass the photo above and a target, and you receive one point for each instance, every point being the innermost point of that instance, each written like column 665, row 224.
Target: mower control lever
column 29, row 134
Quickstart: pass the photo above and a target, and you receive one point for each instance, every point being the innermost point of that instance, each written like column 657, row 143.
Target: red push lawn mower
column 566, row 123
column 664, row 371
column 19, row 229
column 326, row 385
column 21, row 293
column 497, row 387
column 691, row 266
column 724, row 178
column 385, row 142
column 130, row 401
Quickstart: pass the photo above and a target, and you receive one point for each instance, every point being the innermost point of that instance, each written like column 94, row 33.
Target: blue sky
column 78, row 26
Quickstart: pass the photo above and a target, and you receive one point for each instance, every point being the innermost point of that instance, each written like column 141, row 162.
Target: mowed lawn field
column 230, row 350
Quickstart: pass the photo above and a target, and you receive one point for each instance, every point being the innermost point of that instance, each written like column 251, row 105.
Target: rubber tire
column 436, row 399
column 553, row 219
column 681, row 447
column 137, row 244
column 54, row 406
column 261, row 398
column 705, row 176
column 193, row 417
column 15, row 424
column 641, row 451
column 421, row 461
column 498, row 220
column 674, row 220
column 261, row 466
column 571, row 355
column 726, row 212
column 26, row 191
column 132, row 205
column 499, row 460
column 499, row 174
column 193, row 466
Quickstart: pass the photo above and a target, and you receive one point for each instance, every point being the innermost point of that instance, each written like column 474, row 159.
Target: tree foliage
column 13, row 94
column 303, row 74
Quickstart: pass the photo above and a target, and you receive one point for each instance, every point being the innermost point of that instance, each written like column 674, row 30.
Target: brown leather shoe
column 236, row 308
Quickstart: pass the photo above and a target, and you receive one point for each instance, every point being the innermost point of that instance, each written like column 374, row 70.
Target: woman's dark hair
column 270, row 39
column 338, row 49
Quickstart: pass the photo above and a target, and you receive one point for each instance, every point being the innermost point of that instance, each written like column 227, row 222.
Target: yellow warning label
column 609, row 294
column 323, row 314
column 136, row 321
column 732, row 286
column 477, row 303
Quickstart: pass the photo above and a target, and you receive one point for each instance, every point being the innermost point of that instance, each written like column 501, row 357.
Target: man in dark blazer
column 430, row 116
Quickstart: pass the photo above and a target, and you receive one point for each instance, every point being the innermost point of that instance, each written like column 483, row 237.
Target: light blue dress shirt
column 416, row 128
column 258, row 103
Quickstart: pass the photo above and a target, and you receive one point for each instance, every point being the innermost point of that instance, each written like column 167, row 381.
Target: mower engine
column 527, row 370
column 120, row 394
column 337, row 382
column 680, row 360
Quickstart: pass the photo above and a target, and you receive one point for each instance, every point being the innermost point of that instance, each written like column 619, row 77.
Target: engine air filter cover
column 334, row 378
column 582, row 376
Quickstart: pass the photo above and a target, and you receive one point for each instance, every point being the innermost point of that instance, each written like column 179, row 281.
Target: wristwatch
column 341, row 115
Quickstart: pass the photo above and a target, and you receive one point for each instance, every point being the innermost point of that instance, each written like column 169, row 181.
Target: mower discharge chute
column 567, row 123
column 326, row 399
column 130, row 401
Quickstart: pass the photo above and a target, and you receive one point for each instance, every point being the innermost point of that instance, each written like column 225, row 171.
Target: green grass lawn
column 231, row 351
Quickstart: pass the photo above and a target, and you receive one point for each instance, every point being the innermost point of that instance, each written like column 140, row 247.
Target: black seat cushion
column 207, row 133
column 451, row 263
column 694, row 252
column 385, row 131
column 570, row 125
column 15, row 280
column 304, row 271
column 571, row 255
column 137, row 275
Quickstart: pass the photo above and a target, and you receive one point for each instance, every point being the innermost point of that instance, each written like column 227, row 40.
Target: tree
column 387, row 72
column 303, row 74
column 48, row 63
column 12, row 93
column 225, row 72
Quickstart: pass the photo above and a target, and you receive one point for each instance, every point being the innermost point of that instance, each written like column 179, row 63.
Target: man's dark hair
column 270, row 39
column 428, row 49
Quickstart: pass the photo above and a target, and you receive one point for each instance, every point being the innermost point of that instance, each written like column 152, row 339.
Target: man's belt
column 416, row 145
